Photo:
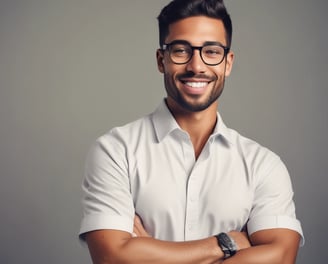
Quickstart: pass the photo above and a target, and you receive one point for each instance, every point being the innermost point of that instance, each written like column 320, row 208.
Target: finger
column 139, row 230
column 138, row 227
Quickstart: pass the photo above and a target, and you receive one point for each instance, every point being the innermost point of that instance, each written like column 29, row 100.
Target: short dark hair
column 180, row 9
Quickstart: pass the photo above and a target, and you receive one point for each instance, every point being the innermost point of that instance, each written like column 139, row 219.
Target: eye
column 180, row 50
column 213, row 51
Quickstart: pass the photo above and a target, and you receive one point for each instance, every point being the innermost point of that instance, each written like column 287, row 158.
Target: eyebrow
column 182, row 41
column 213, row 43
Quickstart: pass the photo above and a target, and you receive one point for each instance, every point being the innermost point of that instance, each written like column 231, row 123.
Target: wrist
column 217, row 252
column 226, row 244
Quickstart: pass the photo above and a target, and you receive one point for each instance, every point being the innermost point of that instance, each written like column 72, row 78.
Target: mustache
column 198, row 76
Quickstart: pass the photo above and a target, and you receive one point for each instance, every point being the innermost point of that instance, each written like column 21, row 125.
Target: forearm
column 145, row 250
column 275, row 246
column 265, row 254
column 148, row 250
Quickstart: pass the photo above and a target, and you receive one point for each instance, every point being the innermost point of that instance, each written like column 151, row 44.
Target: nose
column 196, row 63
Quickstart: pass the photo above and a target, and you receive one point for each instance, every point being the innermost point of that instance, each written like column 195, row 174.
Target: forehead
column 197, row 30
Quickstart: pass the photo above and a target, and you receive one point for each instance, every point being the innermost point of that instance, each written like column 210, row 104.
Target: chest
column 190, row 199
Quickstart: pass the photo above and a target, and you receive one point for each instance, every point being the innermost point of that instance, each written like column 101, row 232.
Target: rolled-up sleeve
column 273, row 205
column 107, row 202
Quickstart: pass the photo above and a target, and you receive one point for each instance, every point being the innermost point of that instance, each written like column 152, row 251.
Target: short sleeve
column 273, row 205
column 107, row 202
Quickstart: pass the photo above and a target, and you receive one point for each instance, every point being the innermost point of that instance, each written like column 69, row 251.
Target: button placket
column 192, row 208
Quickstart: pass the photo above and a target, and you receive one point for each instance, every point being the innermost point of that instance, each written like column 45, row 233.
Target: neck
column 199, row 125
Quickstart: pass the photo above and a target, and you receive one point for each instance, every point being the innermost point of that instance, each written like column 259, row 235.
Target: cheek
column 169, row 79
column 220, row 73
column 170, row 73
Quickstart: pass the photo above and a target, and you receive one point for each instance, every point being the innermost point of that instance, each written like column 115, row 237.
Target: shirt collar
column 222, row 130
column 164, row 123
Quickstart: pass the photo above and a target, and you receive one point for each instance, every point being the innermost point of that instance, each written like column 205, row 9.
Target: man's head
column 180, row 9
column 195, row 56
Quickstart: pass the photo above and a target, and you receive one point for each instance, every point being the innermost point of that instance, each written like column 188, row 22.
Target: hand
column 138, row 228
column 241, row 239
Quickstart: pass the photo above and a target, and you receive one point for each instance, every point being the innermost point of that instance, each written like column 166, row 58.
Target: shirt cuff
column 100, row 221
column 269, row 222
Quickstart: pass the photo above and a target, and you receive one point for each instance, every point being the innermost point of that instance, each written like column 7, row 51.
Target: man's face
column 194, row 86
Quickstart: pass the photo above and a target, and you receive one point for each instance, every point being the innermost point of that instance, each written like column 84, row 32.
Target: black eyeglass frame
column 166, row 46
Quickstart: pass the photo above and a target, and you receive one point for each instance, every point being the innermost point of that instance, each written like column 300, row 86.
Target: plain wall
column 71, row 70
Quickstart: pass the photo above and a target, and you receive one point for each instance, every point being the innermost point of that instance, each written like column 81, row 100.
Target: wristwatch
column 227, row 244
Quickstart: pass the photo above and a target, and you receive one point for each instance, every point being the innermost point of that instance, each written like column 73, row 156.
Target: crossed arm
column 272, row 246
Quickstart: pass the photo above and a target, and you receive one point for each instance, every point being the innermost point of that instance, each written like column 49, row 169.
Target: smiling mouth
column 194, row 87
column 196, row 84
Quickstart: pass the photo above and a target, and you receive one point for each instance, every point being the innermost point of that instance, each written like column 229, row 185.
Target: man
column 201, row 192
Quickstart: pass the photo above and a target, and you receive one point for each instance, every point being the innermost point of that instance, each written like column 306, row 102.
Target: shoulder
column 255, row 155
column 128, row 130
column 122, row 137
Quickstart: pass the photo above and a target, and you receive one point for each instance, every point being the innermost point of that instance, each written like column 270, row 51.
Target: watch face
column 227, row 245
column 225, row 240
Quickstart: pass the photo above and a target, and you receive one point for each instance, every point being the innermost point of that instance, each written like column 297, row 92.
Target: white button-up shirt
column 148, row 167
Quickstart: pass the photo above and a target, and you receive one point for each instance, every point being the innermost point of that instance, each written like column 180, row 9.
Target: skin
column 269, row 246
column 195, row 111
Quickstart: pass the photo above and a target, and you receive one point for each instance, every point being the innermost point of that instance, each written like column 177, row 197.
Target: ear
column 229, row 63
column 160, row 60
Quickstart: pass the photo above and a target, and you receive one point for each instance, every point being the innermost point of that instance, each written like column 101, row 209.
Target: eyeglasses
column 181, row 52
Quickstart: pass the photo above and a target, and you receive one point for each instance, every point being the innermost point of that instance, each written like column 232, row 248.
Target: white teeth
column 196, row 84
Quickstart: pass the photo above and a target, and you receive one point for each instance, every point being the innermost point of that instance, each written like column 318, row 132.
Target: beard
column 193, row 105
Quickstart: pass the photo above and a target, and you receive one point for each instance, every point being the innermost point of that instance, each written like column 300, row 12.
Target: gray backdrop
column 70, row 70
